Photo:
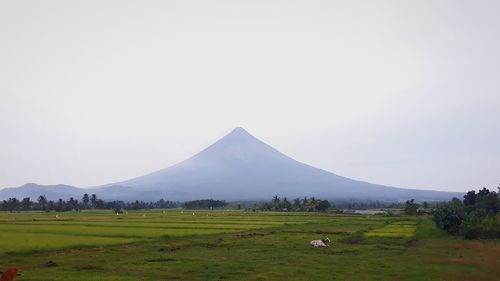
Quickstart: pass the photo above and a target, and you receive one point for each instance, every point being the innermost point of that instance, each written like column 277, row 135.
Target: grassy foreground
column 237, row 246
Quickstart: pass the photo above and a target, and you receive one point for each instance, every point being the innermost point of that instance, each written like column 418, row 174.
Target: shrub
column 471, row 228
column 477, row 217
column 411, row 207
column 450, row 216
column 490, row 227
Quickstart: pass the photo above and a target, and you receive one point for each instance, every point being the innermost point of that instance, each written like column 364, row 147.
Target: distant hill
column 237, row 167
column 33, row 190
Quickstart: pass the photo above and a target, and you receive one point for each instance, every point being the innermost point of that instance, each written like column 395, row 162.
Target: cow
column 320, row 243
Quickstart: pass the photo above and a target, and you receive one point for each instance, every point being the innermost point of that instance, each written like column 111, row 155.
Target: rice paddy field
column 237, row 245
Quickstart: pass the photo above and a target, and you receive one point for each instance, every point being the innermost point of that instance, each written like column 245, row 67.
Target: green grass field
column 234, row 245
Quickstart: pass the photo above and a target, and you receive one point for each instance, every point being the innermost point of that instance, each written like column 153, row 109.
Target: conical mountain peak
column 237, row 137
column 239, row 144
column 240, row 133
column 241, row 167
column 239, row 129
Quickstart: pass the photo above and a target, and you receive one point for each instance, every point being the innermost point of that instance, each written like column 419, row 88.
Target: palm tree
column 286, row 204
column 60, row 205
column 73, row 204
column 13, row 204
column 85, row 200
column 42, row 200
column 26, row 203
column 312, row 205
column 296, row 204
column 276, row 203
column 93, row 199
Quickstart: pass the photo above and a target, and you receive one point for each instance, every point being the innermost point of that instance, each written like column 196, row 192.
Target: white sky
column 403, row 93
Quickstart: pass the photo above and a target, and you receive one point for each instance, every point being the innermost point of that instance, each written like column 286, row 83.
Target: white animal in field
column 320, row 243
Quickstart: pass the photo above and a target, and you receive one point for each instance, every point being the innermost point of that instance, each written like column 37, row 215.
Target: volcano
column 236, row 167
column 241, row 167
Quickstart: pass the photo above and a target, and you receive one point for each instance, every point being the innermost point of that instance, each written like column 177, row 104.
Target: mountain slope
column 241, row 167
column 33, row 190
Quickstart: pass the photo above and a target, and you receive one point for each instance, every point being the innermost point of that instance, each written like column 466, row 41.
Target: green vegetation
column 298, row 205
column 87, row 202
column 206, row 204
column 237, row 245
column 401, row 229
column 411, row 208
column 476, row 217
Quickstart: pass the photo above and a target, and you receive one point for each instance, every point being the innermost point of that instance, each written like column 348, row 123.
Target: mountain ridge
column 33, row 191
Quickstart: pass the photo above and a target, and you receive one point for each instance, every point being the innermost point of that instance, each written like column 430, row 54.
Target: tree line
column 367, row 204
column 206, row 204
column 299, row 205
column 412, row 208
column 476, row 216
column 87, row 202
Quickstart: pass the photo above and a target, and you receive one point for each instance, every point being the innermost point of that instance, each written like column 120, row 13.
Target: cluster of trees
column 367, row 204
column 474, row 217
column 42, row 204
column 411, row 207
column 204, row 204
column 87, row 202
column 118, row 206
column 305, row 205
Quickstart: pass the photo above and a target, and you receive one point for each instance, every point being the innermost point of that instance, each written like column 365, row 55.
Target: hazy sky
column 402, row 93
